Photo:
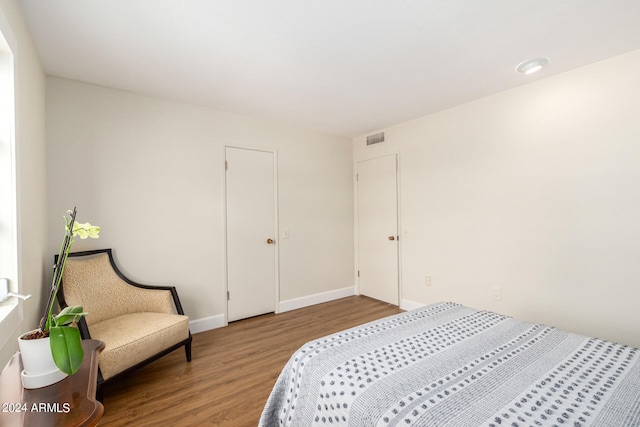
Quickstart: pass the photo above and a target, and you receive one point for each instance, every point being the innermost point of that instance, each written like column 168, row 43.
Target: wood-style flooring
column 233, row 368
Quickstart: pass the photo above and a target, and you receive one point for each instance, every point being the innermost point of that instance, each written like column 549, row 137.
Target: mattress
column 450, row 365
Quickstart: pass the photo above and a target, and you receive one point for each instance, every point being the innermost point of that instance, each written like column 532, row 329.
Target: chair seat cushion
column 131, row 338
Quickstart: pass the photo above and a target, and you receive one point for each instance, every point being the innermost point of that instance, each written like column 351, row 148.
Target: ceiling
column 345, row 67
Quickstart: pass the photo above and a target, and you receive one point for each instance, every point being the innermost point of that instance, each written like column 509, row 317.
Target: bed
column 450, row 365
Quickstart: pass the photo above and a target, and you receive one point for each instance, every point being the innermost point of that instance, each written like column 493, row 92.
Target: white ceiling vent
column 375, row 139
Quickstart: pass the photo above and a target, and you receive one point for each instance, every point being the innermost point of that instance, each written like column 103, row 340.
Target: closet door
column 378, row 228
column 250, row 232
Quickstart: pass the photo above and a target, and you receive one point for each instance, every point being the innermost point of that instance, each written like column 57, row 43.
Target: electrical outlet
column 427, row 280
column 497, row 293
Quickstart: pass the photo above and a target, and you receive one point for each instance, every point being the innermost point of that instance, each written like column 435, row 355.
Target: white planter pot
column 39, row 368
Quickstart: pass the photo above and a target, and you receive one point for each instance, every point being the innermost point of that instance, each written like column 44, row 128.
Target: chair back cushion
column 92, row 283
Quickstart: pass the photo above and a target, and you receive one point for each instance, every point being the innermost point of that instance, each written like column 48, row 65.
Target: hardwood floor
column 232, row 371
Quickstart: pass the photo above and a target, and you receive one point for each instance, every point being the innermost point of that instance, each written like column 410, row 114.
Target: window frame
column 11, row 314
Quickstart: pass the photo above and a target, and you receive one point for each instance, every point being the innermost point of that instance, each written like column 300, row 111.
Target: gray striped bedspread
column 450, row 365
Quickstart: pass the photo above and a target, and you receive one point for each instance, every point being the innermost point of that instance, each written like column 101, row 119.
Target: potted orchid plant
column 64, row 338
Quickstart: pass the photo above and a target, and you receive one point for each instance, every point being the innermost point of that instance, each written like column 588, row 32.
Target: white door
column 251, row 232
column 378, row 228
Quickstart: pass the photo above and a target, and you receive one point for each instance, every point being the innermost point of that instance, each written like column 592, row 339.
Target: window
column 9, row 313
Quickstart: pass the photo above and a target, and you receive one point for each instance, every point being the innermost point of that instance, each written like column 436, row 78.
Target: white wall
column 534, row 190
column 150, row 172
column 33, row 260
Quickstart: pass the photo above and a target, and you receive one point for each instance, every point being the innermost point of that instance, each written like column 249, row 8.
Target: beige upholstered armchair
column 138, row 323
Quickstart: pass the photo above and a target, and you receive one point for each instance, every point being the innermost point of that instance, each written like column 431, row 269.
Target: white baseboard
column 410, row 305
column 296, row 303
column 214, row 322
column 207, row 323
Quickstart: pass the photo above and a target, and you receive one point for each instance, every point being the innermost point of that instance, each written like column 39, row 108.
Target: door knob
column 270, row 241
column 392, row 237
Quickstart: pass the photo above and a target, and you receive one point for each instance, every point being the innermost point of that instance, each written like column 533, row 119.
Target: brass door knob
column 270, row 241
column 392, row 237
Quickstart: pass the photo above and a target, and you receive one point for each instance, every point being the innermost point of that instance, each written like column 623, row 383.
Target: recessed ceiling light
column 532, row 65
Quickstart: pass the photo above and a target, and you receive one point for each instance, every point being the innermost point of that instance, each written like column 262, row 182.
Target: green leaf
column 66, row 348
column 69, row 315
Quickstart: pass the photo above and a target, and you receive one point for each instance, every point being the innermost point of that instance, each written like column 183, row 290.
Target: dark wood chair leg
column 187, row 350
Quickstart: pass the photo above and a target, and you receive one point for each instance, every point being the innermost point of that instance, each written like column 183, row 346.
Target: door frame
column 275, row 225
column 400, row 234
